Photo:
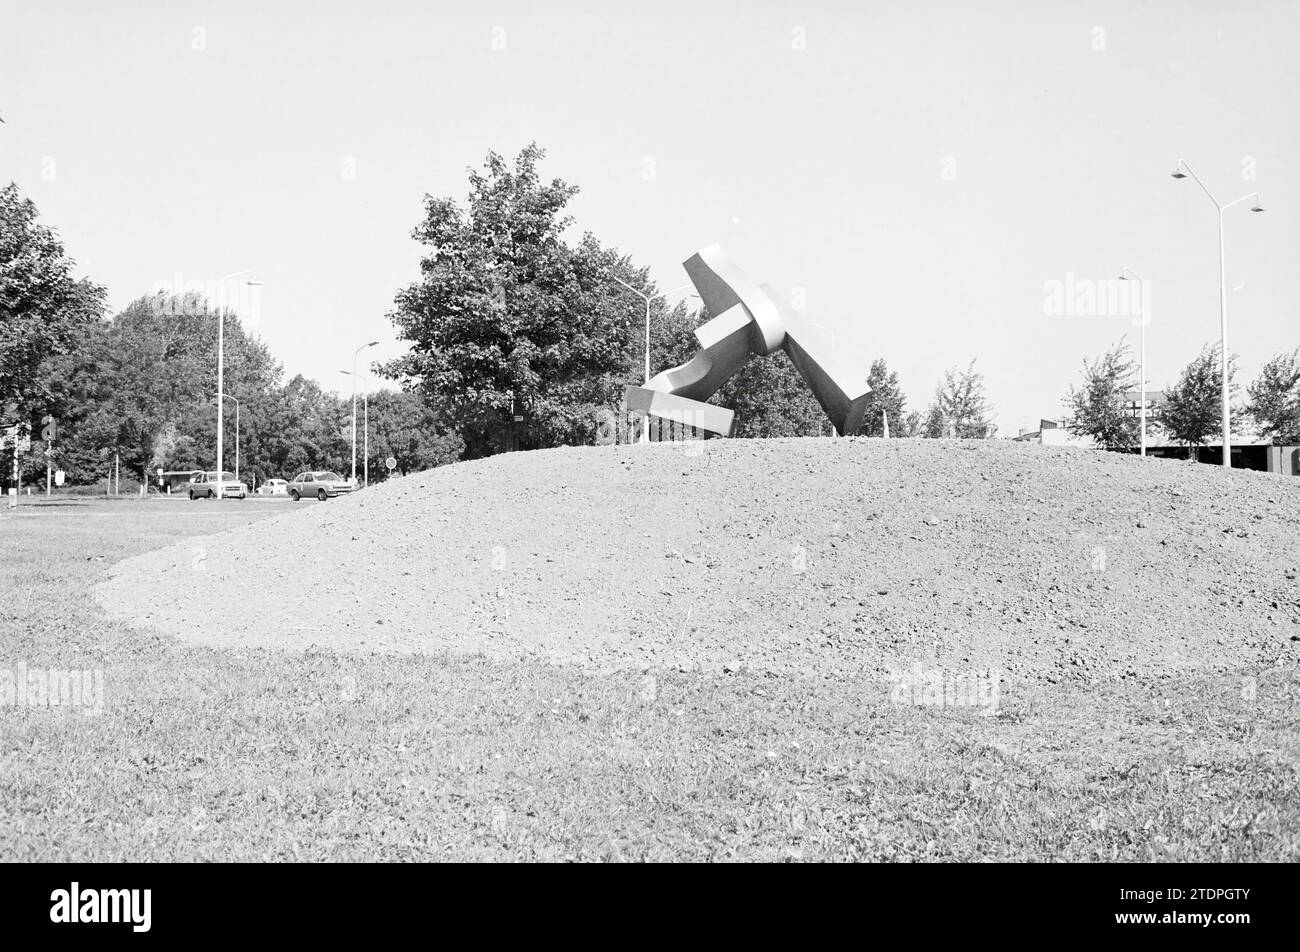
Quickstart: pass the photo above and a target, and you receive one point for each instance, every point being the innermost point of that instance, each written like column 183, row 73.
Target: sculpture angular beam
column 723, row 286
column 748, row 320
column 841, row 393
column 724, row 347
column 696, row 414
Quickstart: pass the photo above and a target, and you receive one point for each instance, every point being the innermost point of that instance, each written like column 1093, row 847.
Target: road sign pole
column 47, row 435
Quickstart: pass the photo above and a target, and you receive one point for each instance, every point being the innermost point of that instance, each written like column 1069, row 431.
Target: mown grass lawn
column 259, row 755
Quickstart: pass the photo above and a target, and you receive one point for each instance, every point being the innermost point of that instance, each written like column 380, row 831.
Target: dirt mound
column 845, row 557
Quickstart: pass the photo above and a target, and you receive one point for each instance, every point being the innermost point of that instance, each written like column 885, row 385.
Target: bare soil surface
column 841, row 558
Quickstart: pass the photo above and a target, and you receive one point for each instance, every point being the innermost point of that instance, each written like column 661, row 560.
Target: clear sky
column 921, row 170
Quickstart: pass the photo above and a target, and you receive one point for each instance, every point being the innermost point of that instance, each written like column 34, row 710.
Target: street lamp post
column 649, row 299
column 365, row 430
column 221, row 370
column 237, row 409
column 1127, row 274
column 355, row 353
column 1182, row 170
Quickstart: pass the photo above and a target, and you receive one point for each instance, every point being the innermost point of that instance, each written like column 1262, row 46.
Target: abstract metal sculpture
column 746, row 320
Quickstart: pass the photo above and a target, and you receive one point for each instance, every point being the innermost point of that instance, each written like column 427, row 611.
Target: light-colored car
column 322, row 484
column 273, row 487
column 211, row 485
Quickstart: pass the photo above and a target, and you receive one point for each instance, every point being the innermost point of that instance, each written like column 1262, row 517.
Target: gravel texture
column 836, row 557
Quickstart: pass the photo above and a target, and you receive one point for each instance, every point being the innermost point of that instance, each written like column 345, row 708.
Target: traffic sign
column 390, row 463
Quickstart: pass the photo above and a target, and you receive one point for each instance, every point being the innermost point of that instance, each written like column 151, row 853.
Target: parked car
column 176, row 480
column 323, row 485
column 273, row 487
column 211, row 485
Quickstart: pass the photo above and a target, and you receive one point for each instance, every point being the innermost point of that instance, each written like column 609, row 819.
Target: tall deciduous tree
column 302, row 426
column 405, row 427
column 1096, row 409
column 672, row 337
column 912, row 424
column 771, row 399
column 44, row 310
column 1193, row 412
column 507, row 316
column 886, row 400
column 1275, row 399
column 934, row 427
column 142, row 387
column 959, row 408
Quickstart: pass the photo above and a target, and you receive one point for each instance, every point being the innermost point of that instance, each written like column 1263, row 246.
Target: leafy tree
column 1096, row 410
column 934, row 427
column 912, row 424
column 1193, row 411
column 959, row 408
column 406, row 428
column 142, row 387
column 44, row 311
column 672, row 337
column 886, row 398
column 771, row 399
column 1275, row 399
column 304, row 427
column 505, row 314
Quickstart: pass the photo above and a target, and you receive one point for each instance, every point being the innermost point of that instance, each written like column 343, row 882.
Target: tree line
column 137, row 390
column 1191, row 411
column 518, row 339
